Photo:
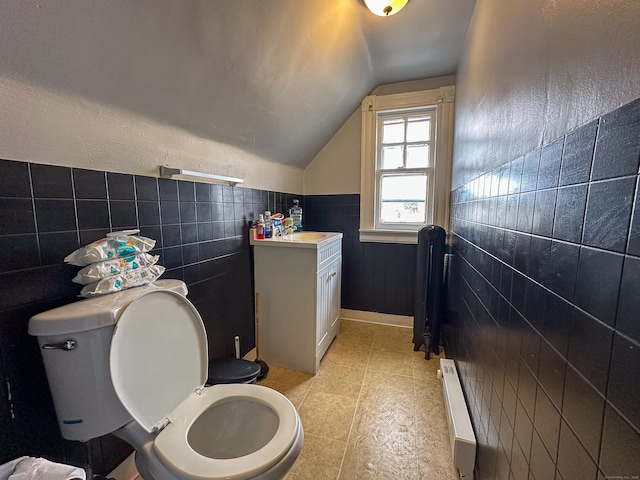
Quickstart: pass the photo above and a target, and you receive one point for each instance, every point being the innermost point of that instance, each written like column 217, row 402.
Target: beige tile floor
column 373, row 411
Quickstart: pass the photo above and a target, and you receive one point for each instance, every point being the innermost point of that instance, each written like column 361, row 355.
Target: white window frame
column 373, row 107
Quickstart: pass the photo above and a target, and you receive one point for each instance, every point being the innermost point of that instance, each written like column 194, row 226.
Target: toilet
column 134, row 364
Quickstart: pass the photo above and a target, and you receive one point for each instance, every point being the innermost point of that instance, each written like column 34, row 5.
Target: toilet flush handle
column 68, row 344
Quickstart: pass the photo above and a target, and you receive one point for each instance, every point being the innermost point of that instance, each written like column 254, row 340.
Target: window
column 404, row 169
column 406, row 158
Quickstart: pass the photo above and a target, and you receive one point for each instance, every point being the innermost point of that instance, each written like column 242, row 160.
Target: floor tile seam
column 373, row 369
column 327, row 438
column 355, row 409
column 343, row 396
column 417, row 412
column 390, row 337
column 348, row 343
column 351, row 397
column 335, row 365
column 364, row 368
column 332, row 440
column 304, row 397
column 366, row 365
column 390, row 350
column 324, row 437
column 353, row 419
column 414, row 409
column 424, row 379
column 388, row 373
column 396, row 350
column 306, row 393
column 288, row 385
column 420, row 374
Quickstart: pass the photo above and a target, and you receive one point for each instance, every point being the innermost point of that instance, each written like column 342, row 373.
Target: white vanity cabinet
column 298, row 278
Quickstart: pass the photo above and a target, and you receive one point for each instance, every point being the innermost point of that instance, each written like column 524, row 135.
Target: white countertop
column 297, row 240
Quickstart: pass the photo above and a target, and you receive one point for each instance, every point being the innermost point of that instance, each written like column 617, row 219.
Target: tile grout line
column 304, row 397
column 355, row 411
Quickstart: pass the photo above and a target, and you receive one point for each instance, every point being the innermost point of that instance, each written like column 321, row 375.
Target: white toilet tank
column 75, row 341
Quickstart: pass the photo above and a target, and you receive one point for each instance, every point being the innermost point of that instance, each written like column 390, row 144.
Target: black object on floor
column 232, row 370
column 264, row 368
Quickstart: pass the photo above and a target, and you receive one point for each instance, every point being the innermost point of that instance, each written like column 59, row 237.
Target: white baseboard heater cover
column 463, row 440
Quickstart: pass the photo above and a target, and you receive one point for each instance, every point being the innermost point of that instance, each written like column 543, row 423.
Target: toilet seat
column 173, row 449
column 162, row 335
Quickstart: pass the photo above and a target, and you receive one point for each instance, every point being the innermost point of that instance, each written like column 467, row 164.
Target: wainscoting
column 377, row 277
column 46, row 212
column 544, row 304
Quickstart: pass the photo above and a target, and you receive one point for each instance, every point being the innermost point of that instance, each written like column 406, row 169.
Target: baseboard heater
column 463, row 440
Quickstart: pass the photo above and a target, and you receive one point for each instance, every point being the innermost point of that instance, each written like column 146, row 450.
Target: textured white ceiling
column 276, row 78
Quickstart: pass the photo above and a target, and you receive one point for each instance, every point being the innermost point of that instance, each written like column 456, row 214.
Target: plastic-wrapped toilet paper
column 97, row 271
column 117, row 283
column 116, row 245
column 31, row 468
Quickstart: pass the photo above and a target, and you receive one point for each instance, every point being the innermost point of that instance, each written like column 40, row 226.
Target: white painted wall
column 336, row 168
column 54, row 128
column 535, row 70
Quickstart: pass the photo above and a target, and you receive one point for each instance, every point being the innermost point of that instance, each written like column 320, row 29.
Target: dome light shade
column 385, row 8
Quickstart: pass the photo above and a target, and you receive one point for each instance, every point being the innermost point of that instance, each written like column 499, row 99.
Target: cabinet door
column 336, row 290
column 328, row 306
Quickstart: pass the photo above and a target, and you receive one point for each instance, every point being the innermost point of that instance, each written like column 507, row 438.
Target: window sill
column 389, row 236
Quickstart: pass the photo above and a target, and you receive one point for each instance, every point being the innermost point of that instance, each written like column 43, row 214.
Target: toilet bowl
column 157, row 363
column 230, row 434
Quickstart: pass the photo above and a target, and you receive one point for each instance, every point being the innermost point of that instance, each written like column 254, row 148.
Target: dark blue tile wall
column 376, row 277
column 544, row 318
column 46, row 212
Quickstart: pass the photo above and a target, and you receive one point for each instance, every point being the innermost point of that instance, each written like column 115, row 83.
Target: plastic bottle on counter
column 276, row 221
column 295, row 213
column 268, row 225
column 287, row 226
column 260, row 228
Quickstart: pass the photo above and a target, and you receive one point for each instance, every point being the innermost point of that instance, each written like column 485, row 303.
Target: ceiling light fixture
column 385, row 8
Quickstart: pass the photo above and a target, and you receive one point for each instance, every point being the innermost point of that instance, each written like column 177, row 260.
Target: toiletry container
column 260, row 228
column 295, row 213
column 268, row 225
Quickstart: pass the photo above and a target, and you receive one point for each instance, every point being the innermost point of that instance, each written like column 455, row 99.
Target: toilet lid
column 158, row 356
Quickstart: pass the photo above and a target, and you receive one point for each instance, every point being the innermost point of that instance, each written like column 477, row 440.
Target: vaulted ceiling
column 274, row 77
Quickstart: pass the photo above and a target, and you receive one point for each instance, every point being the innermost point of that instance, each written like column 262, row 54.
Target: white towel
column 32, row 468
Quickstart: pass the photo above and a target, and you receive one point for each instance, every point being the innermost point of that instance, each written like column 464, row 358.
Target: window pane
column 419, row 129
column 417, row 156
column 393, row 131
column 403, row 198
column 392, row 157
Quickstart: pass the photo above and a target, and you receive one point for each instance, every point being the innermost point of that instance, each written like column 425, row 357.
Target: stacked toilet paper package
column 115, row 263
column 32, row 468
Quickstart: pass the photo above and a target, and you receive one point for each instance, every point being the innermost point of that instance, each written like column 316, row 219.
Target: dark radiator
column 429, row 305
